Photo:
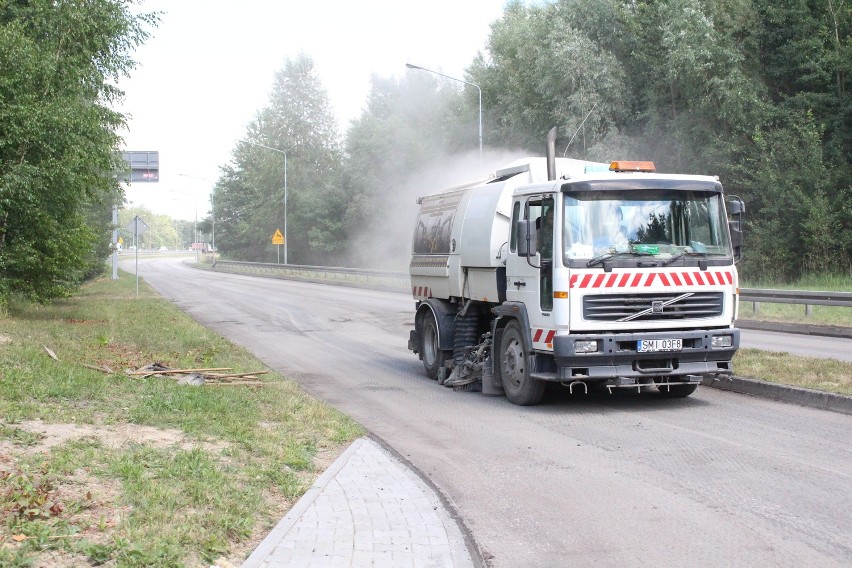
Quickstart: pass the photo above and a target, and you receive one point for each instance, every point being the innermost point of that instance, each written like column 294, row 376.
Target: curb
column 783, row 393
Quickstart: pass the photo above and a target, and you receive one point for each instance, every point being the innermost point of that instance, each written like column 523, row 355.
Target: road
column 717, row 479
column 803, row 345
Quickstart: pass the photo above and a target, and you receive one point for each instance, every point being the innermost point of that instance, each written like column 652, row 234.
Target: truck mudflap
column 619, row 360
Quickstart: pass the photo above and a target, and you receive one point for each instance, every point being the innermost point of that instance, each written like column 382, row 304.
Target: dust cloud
column 384, row 240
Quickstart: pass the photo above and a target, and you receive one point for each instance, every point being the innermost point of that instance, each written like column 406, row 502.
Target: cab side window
column 516, row 215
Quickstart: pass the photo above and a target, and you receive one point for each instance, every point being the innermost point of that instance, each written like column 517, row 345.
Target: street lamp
column 410, row 66
column 285, row 188
column 212, row 207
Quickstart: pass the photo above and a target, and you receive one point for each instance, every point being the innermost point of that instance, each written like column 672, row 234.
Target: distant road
column 804, row 345
column 717, row 479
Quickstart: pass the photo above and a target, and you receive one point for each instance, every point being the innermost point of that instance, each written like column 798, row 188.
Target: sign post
column 141, row 167
column 278, row 239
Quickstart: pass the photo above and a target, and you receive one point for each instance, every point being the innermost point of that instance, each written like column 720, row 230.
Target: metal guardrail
column 401, row 281
column 383, row 278
column 806, row 297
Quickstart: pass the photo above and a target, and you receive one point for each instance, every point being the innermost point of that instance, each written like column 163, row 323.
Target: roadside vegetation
column 829, row 375
column 795, row 313
column 99, row 467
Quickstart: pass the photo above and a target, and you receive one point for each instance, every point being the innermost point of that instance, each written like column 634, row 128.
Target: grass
column 143, row 471
column 829, row 375
column 795, row 313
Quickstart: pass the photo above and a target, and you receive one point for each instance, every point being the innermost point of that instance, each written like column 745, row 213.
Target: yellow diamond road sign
column 277, row 238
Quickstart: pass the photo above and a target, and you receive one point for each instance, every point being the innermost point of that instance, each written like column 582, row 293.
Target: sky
column 208, row 68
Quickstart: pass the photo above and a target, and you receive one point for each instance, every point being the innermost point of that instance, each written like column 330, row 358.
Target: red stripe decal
column 636, row 280
column 730, row 277
column 676, row 279
column 698, row 279
column 598, row 280
column 538, row 333
column 686, row 278
column 708, row 276
column 650, row 279
column 664, row 280
column 550, row 335
column 586, row 279
column 611, row 280
column 719, row 278
column 624, row 280
column 573, row 281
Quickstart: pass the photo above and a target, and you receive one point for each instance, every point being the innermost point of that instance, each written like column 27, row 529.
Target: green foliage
column 406, row 125
column 755, row 91
column 249, row 197
column 59, row 146
column 27, row 495
column 163, row 231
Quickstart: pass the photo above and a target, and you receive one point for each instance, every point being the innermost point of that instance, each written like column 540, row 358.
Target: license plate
column 651, row 345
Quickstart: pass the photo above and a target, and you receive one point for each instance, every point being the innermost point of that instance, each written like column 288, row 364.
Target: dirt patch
column 327, row 456
column 112, row 436
column 4, row 339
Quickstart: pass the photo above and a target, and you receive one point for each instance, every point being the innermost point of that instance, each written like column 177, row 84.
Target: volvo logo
column 657, row 307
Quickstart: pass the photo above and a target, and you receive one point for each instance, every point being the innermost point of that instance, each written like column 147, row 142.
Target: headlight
column 721, row 341
column 585, row 346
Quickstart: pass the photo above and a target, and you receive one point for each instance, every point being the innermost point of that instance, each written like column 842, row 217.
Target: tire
column 430, row 349
column 515, row 363
column 677, row 391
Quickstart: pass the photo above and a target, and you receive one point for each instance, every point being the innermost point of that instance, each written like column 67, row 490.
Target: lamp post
column 411, row 66
column 212, row 209
column 285, row 188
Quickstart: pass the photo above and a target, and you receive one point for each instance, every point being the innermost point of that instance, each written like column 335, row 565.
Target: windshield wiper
column 599, row 259
column 606, row 256
column 681, row 255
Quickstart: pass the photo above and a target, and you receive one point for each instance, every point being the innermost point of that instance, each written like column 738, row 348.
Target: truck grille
column 665, row 306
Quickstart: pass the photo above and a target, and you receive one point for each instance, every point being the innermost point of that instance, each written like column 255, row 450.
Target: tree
column 162, row 230
column 59, row 144
column 249, row 197
column 755, row 91
column 407, row 125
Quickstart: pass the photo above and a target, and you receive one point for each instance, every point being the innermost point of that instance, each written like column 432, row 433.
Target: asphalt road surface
column 717, row 479
column 802, row 345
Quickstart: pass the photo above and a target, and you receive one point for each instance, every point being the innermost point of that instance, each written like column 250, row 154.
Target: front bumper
column 617, row 356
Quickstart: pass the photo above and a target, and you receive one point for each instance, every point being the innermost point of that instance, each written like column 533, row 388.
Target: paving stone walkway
column 367, row 509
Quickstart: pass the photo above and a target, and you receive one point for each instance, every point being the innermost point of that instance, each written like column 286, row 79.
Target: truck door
column 530, row 279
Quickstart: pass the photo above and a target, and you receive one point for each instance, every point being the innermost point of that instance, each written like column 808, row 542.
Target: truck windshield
column 670, row 225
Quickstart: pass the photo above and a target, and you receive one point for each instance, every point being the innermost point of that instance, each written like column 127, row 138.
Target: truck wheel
column 515, row 361
column 430, row 350
column 677, row 391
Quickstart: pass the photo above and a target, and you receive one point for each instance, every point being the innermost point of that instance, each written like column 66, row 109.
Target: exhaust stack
column 551, row 154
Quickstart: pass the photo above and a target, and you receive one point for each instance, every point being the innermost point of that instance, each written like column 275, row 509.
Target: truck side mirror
column 736, row 239
column 736, row 209
column 526, row 238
